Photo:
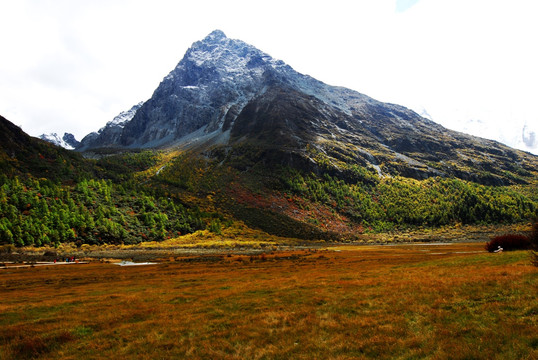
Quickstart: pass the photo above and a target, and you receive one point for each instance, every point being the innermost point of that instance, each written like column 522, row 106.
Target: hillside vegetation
column 149, row 196
column 111, row 204
column 50, row 196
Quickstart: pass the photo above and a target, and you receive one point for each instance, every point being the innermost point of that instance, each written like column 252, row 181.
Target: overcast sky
column 72, row 65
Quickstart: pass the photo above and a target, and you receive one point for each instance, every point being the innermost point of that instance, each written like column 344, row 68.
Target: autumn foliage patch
column 508, row 242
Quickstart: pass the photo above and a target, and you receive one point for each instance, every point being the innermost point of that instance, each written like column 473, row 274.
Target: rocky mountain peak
column 218, row 55
column 209, row 87
column 123, row 117
column 215, row 79
column 225, row 92
column 67, row 141
column 109, row 134
column 215, row 36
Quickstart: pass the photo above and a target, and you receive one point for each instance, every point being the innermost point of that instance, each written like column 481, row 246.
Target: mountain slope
column 49, row 195
column 21, row 154
column 226, row 93
column 139, row 196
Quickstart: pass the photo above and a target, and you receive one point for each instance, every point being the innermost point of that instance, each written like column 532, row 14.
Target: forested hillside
column 395, row 202
column 292, row 202
column 49, row 195
column 40, row 212
column 127, row 202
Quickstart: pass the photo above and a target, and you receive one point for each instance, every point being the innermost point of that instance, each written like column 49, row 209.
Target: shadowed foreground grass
column 407, row 302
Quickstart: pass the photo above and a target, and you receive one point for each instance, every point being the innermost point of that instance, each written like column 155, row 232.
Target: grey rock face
column 70, row 140
column 206, row 91
column 215, row 80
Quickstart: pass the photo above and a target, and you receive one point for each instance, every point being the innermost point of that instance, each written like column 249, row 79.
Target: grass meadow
column 451, row 301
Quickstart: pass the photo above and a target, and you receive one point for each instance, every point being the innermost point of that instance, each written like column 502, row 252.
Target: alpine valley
column 234, row 144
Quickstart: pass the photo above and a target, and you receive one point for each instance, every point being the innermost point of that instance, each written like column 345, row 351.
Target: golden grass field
column 443, row 301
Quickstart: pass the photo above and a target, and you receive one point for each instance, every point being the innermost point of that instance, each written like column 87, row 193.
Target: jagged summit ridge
column 229, row 57
column 108, row 135
column 216, row 35
column 123, row 117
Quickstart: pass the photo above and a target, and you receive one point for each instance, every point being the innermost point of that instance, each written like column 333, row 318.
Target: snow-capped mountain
column 109, row 134
column 67, row 141
column 228, row 94
column 214, row 81
column 123, row 117
column 216, row 78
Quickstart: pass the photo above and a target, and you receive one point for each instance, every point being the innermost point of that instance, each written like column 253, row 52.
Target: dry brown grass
column 381, row 302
